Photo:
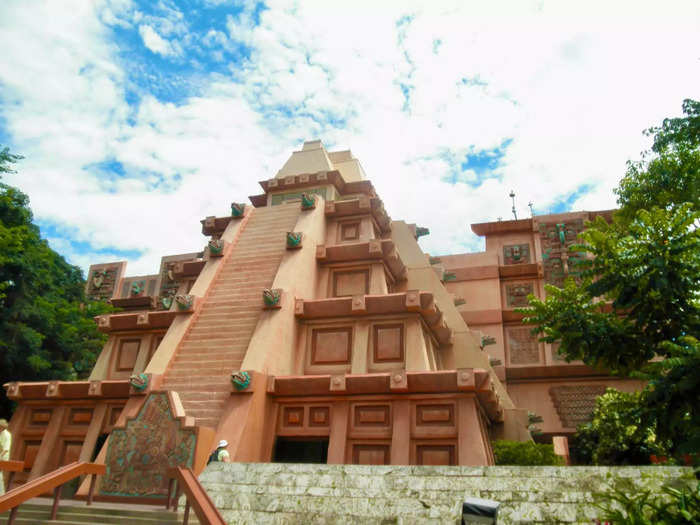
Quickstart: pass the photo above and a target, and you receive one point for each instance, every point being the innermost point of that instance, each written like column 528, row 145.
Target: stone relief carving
column 140, row 454
column 556, row 238
column 516, row 254
column 516, row 294
column 102, row 283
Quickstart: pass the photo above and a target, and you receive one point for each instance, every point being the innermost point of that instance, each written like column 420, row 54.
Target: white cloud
column 155, row 42
column 573, row 87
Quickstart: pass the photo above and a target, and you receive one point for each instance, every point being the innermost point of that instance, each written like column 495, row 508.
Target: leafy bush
column 670, row 507
column 524, row 453
column 621, row 432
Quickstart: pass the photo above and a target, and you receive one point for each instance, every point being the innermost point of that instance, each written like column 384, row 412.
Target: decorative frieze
column 137, row 288
column 102, row 283
column 516, row 254
column 556, row 239
column 516, row 294
column 161, row 441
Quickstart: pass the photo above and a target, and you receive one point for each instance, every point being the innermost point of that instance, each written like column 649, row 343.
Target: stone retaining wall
column 258, row 493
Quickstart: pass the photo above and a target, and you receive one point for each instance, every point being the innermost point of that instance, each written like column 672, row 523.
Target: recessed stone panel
column 293, row 417
column 523, row 347
column 70, row 452
column 127, row 353
column 350, row 282
column 80, row 416
column 40, row 417
column 435, row 415
column 31, row 449
column 372, row 416
column 319, row 416
column 435, row 454
column 348, row 231
column 370, row 454
column 114, row 413
column 388, row 343
column 331, row 346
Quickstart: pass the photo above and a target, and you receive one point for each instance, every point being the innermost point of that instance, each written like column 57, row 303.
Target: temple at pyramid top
column 313, row 157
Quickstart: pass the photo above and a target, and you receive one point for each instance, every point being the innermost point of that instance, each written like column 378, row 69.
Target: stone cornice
column 395, row 303
column 360, row 205
column 56, row 390
column 135, row 321
column 375, row 249
column 466, row 380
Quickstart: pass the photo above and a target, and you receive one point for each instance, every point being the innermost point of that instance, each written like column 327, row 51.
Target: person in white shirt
column 222, row 453
column 5, row 445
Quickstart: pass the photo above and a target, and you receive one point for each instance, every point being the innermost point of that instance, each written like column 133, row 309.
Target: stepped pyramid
column 313, row 328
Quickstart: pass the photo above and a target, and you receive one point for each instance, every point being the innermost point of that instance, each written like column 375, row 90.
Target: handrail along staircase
column 196, row 497
column 12, row 499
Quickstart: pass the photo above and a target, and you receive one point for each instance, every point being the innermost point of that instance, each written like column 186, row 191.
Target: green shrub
column 620, row 433
column 669, row 507
column 524, row 453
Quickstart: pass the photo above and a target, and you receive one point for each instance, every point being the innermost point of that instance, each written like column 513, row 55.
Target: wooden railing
column 183, row 480
column 53, row 480
column 11, row 467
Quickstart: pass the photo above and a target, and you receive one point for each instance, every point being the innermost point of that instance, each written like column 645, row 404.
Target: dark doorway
column 293, row 450
column 98, row 445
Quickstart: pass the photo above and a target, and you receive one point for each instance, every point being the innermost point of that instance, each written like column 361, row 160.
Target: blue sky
column 139, row 118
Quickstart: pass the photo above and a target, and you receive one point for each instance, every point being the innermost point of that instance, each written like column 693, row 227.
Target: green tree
column 637, row 295
column 46, row 326
column 618, row 433
column 669, row 174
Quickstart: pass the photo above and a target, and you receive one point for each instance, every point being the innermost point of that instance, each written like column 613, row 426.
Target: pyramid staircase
column 218, row 339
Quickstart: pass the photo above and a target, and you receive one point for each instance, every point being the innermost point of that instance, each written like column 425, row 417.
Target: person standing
column 220, row 454
column 5, row 445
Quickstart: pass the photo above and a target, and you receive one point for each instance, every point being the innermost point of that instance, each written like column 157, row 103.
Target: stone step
column 183, row 384
column 234, row 317
column 223, row 321
column 196, row 406
column 212, row 422
column 236, row 344
column 204, row 396
column 246, row 282
column 196, row 371
column 208, row 323
column 211, row 412
column 214, row 358
column 218, row 335
column 240, row 290
column 225, row 311
column 71, row 512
